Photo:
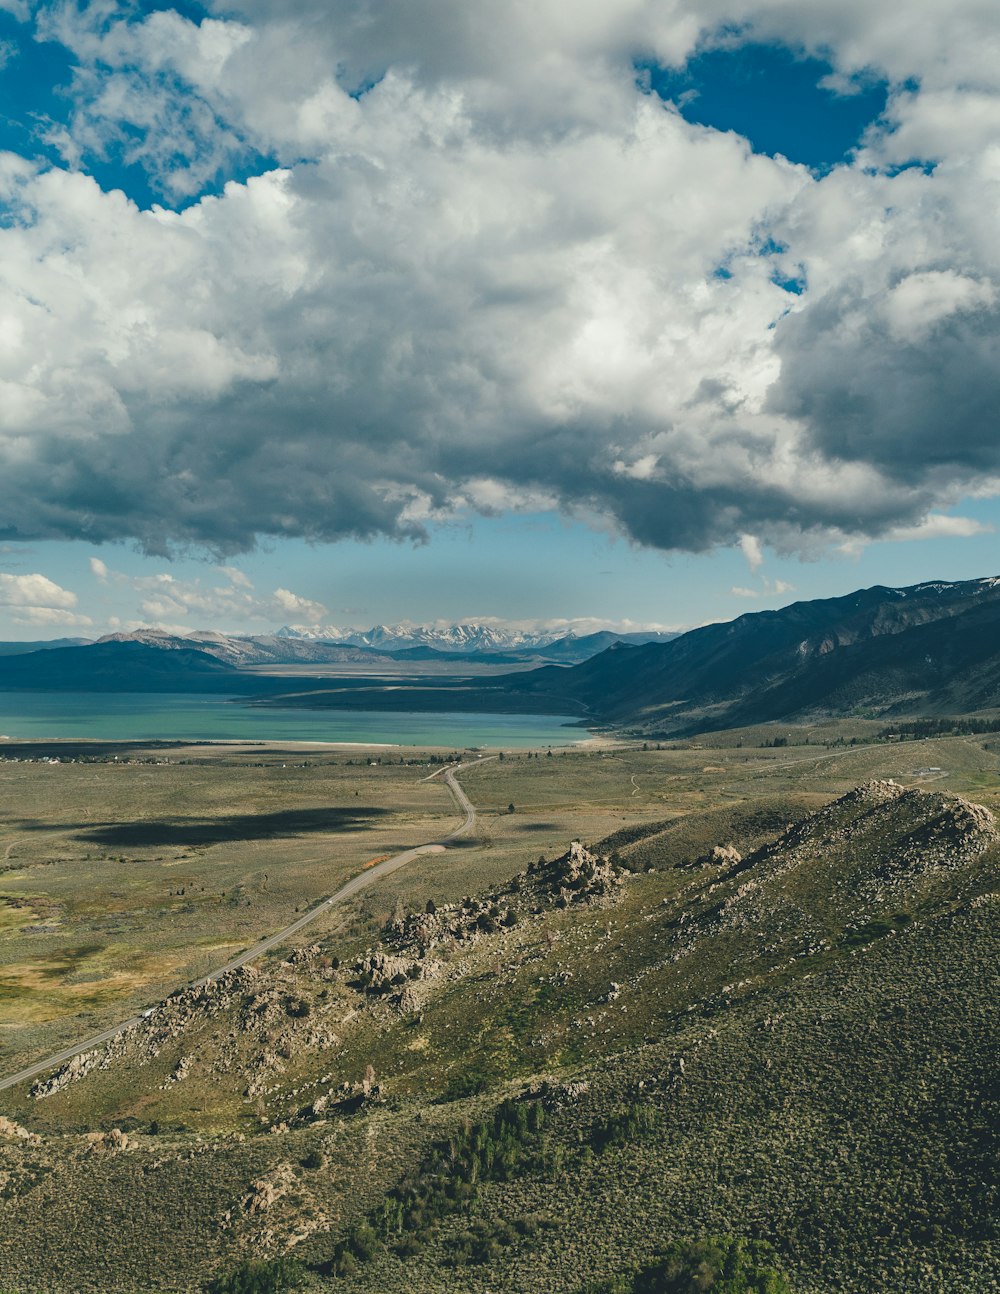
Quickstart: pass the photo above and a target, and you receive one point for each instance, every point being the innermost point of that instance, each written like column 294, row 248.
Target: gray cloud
column 922, row 407
column 490, row 280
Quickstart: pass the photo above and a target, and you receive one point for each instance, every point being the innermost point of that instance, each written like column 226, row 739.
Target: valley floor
column 767, row 1015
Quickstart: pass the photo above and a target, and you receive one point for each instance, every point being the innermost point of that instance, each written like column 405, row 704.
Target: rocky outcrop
column 11, row 1131
column 578, row 876
column 382, row 972
column 721, row 856
column 108, row 1143
column 266, row 1191
column 76, row 1068
column 451, row 923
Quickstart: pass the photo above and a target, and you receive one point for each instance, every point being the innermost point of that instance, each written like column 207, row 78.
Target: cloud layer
column 164, row 600
column 483, row 268
column 36, row 600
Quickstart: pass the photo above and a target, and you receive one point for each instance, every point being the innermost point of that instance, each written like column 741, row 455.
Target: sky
column 626, row 312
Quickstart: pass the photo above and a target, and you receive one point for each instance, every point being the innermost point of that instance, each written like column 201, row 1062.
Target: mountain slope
column 794, row 1044
column 22, row 648
column 118, row 667
column 868, row 648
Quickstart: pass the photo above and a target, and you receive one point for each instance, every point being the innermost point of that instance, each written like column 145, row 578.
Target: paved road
column 353, row 886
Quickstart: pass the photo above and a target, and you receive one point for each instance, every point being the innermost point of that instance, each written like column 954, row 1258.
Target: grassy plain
column 795, row 1062
column 122, row 880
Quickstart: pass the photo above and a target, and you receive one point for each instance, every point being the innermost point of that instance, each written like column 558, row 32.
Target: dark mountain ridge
column 881, row 647
column 120, row 667
column 22, row 648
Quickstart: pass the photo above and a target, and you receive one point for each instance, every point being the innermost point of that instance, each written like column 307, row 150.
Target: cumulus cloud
column 34, row 590
column 939, row 526
column 36, row 600
column 750, row 546
column 163, row 600
column 481, row 266
column 291, row 604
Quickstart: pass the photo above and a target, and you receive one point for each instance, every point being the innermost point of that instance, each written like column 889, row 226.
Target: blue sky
column 779, row 99
column 629, row 319
column 537, row 568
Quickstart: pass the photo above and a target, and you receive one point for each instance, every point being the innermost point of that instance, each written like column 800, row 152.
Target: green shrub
column 623, row 1126
column 719, row 1264
column 266, row 1276
column 447, row 1182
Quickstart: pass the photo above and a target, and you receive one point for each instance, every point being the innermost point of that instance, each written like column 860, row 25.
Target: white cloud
column 939, row 526
column 236, row 577
column 163, row 600
column 750, row 546
column 292, row 604
column 98, row 569
column 921, row 302
column 36, row 600
column 34, row 591
column 491, row 279
column 50, row 616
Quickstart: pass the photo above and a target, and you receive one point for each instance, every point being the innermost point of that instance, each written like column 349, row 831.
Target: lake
column 142, row 716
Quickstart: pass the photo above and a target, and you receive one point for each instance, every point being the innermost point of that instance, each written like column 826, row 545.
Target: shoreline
column 85, row 746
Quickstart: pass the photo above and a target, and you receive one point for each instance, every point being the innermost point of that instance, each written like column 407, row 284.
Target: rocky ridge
column 279, row 1012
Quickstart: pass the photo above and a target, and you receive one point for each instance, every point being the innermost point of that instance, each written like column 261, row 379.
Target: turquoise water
column 187, row 717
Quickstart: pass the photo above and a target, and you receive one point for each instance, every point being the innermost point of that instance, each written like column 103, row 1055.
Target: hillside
column 923, row 649
column 20, row 648
column 772, row 1020
column 119, row 667
column 265, row 649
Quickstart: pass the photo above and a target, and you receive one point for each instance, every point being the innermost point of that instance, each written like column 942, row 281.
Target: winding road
column 353, row 886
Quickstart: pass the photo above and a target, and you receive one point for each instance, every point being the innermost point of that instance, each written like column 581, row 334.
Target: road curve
column 353, row 886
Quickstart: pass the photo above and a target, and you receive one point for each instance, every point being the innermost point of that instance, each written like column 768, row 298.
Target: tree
column 264, row 1276
column 716, row 1265
column 721, row 1264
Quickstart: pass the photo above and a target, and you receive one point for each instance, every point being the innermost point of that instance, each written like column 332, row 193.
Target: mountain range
column 420, row 643
column 926, row 649
column 449, row 638
column 332, row 646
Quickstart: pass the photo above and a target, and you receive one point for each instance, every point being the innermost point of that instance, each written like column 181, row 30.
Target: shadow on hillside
column 215, row 831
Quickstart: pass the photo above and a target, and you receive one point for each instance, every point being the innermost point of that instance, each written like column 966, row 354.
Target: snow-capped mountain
column 448, row 638
column 330, row 645
column 265, row 649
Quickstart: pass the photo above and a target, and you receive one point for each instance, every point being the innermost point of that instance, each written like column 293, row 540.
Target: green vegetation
column 268, row 1276
column 948, row 726
column 795, row 1048
column 721, row 1264
column 447, row 1182
column 622, row 1127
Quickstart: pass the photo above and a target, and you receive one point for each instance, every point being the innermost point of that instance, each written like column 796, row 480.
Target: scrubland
column 770, row 1013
